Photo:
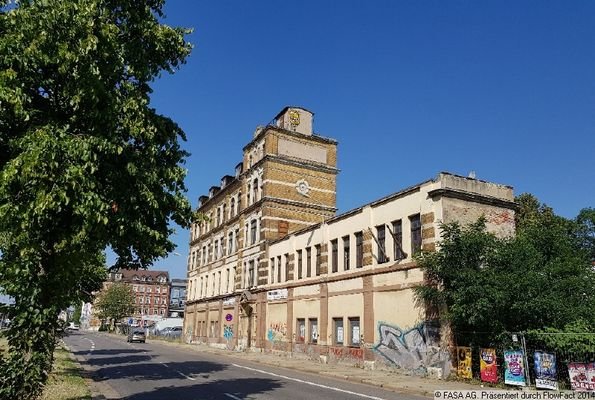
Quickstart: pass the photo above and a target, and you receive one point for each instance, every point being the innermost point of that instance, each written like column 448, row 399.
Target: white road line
column 309, row 383
column 178, row 372
column 232, row 396
column 186, row 376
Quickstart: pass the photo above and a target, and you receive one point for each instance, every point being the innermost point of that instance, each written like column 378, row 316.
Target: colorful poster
column 545, row 370
column 487, row 365
column 464, row 362
column 578, row 374
column 514, row 372
column 591, row 376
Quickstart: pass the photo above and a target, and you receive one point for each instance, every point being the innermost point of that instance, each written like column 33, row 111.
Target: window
column 313, row 322
column 149, row 289
column 223, row 212
column 359, row 249
column 213, row 290
column 301, row 330
column 354, row 331
column 219, row 280
column 299, row 264
column 206, row 285
column 236, row 235
column 218, row 220
column 227, row 281
column 253, row 231
column 415, row 222
column 230, row 243
column 286, row 267
column 318, row 259
column 255, row 190
column 251, row 280
column 346, row 250
column 334, row 255
column 381, row 236
column 338, row 331
column 216, row 249
column 278, row 269
column 272, row 263
column 398, row 239
column 232, row 207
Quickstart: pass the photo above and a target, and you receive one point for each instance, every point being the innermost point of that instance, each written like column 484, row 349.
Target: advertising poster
column 487, row 365
column 579, row 379
column 514, row 372
column 464, row 362
column 545, row 370
column 591, row 376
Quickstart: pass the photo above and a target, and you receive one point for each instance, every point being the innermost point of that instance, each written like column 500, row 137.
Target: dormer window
column 144, row 278
column 135, row 278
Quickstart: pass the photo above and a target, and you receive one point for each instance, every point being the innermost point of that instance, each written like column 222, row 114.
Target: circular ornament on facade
column 303, row 187
column 228, row 317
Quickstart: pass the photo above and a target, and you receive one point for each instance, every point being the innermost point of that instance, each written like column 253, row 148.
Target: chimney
column 295, row 119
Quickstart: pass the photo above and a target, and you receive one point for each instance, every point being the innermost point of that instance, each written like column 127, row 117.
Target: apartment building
column 272, row 268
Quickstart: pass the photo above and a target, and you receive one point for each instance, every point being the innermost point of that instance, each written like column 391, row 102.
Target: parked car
column 136, row 335
column 172, row 332
column 73, row 327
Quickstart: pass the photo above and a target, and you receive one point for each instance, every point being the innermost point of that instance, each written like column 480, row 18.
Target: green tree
column 541, row 278
column 85, row 162
column 115, row 302
column 76, row 314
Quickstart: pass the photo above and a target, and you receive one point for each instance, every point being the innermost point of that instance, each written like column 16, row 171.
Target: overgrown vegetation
column 541, row 280
column 85, row 162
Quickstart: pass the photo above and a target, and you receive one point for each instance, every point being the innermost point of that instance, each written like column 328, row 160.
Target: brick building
column 151, row 290
column 273, row 267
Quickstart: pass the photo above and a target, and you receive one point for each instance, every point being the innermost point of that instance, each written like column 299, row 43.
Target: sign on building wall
column 278, row 294
column 488, row 368
column 229, row 301
column 514, row 372
column 464, row 362
column 545, row 370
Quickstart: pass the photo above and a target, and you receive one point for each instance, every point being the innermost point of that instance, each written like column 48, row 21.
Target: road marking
column 178, row 372
column 309, row 383
column 92, row 345
column 232, row 396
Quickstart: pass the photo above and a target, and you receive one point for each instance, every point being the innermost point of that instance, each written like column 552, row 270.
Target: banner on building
column 464, row 362
column 278, row 294
column 514, row 372
column 487, row 365
column 545, row 370
column 591, row 376
column 579, row 375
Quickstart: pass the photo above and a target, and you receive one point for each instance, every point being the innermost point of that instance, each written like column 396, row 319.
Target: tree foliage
column 85, row 162
column 115, row 302
column 541, row 278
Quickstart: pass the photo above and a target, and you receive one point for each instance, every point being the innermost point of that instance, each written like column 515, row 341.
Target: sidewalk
column 394, row 381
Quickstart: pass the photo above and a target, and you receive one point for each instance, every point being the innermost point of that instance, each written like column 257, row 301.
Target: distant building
column 151, row 289
column 177, row 298
column 273, row 267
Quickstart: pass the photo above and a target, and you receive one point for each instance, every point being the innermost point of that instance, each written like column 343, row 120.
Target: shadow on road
column 240, row 388
column 110, row 352
column 125, row 359
column 157, row 371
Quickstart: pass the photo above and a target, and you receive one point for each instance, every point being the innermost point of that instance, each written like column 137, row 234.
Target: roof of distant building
column 141, row 275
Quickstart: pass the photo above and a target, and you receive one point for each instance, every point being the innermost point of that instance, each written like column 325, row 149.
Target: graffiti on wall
column 228, row 332
column 410, row 349
column 346, row 353
column 276, row 331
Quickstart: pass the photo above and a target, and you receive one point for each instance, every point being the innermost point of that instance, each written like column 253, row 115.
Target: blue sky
column 408, row 88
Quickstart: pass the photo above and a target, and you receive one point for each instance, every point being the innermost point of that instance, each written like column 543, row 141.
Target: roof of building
column 129, row 274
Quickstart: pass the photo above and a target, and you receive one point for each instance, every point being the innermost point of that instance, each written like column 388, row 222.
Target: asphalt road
column 154, row 370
